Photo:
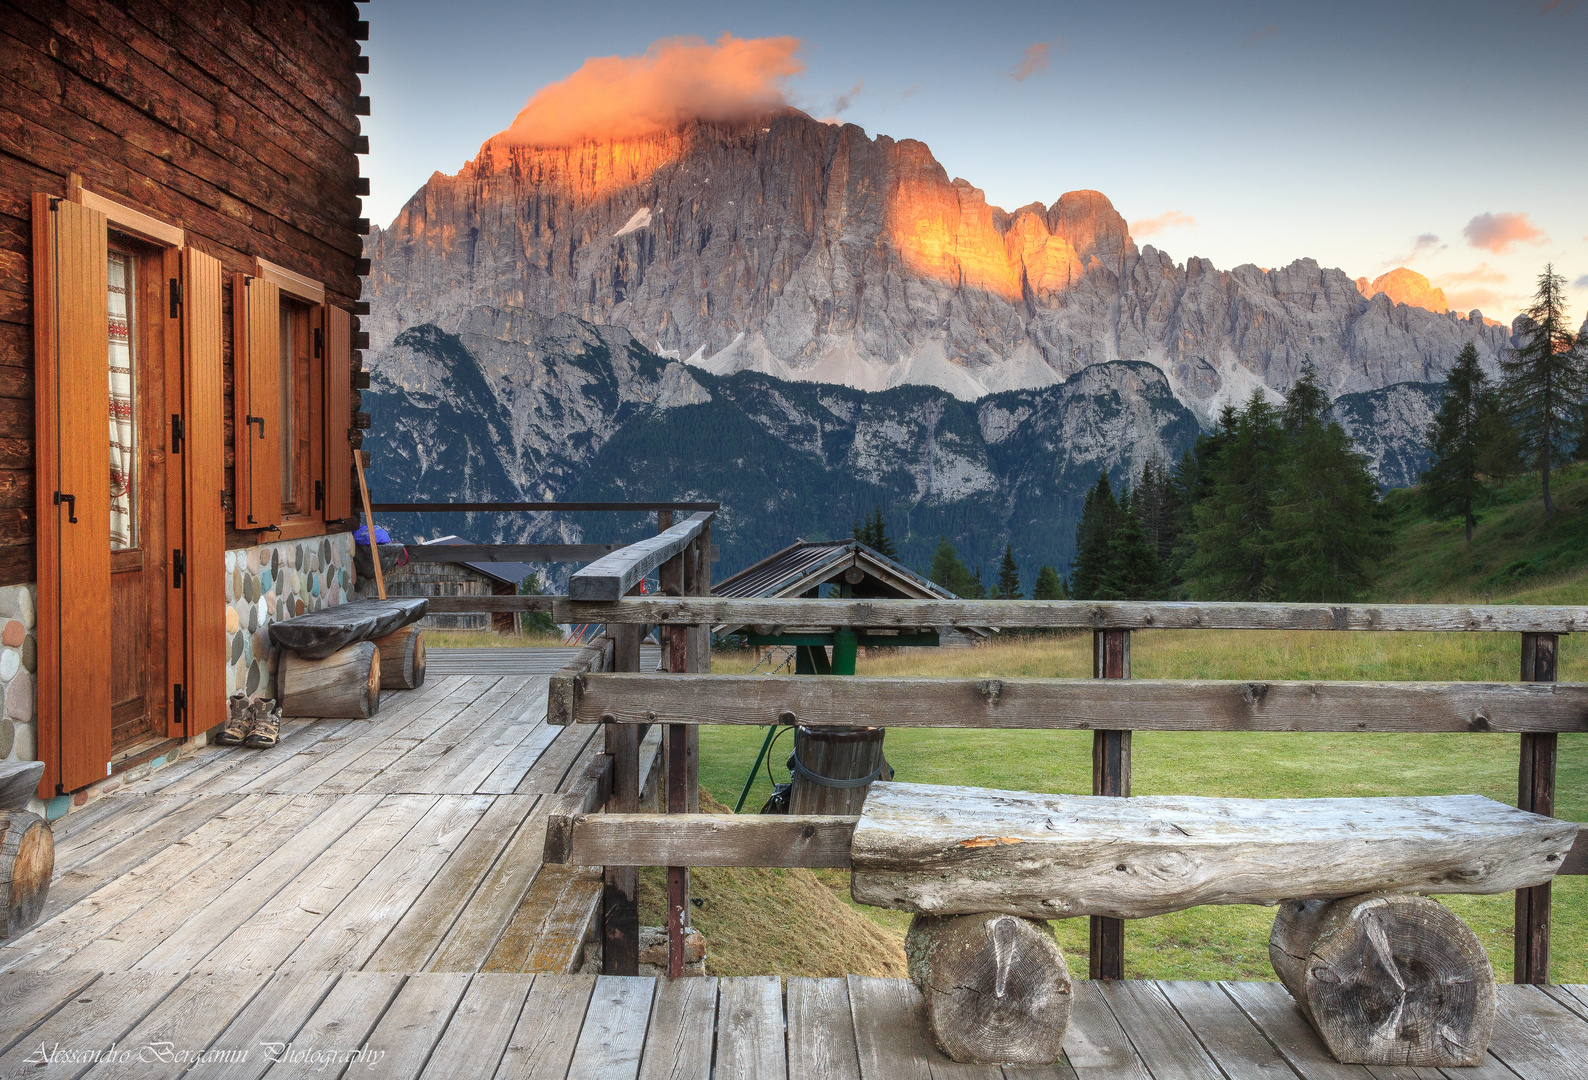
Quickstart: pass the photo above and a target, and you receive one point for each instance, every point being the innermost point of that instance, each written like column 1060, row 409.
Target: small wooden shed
column 459, row 579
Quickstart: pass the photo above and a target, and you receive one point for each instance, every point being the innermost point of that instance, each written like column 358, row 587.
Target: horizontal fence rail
column 1066, row 614
column 510, row 553
column 614, row 575
column 1070, row 704
column 463, row 605
column 536, row 507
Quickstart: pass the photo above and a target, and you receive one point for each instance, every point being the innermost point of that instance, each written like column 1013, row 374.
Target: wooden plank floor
column 252, row 1023
column 368, row 899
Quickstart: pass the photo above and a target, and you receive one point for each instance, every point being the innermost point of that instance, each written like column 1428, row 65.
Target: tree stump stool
column 1387, row 979
column 996, row 986
column 27, row 861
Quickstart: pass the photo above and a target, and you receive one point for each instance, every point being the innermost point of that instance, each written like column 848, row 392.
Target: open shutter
column 72, row 398
column 256, row 378
column 338, row 455
column 204, row 480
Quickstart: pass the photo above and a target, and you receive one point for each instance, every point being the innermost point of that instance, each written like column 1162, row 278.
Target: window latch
column 178, row 568
column 71, row 506
column 176, row 433
column 260, row 420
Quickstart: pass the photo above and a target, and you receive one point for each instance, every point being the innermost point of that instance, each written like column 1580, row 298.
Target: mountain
column 602, row 418
column 598, row 291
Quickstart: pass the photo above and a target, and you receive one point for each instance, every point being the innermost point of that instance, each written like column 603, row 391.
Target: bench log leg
column 27, row 861
column 345, row 684
column 996, row 986
column 402, row 659
column 1387, row 979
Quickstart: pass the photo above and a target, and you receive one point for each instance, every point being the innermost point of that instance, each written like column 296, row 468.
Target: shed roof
column 508, row 573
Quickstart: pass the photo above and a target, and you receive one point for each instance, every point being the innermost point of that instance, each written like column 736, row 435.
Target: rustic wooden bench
column 1385, row 975
column 336, row 661
column 27, row 849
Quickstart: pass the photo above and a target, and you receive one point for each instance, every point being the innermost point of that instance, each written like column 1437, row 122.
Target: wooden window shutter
column 338, row 454
column 256, row 392
column 72, row 457
column 204, row 481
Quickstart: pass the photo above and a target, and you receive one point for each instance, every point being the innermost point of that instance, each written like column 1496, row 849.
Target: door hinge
column 319, row 342
column 176, row 298
column 179, row 703
column 178, row 568
column 176, row 433
column 319, row 495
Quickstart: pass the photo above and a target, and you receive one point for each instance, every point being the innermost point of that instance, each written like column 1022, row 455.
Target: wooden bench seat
column 320, row 633
column 953, row 850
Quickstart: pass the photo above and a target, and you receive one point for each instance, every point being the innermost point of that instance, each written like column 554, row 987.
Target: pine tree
column 1157, row 505
column 1134, row 570
column 1232, row 525
column 950, row 571
column 1544, row 381
column 873, row 532
column 1008, row 587
column 1094, row 537
column 1460, row 442
column 1049, row 585
column 534, row 622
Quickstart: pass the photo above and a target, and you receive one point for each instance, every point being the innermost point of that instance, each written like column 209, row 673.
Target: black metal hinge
column 178, row 568
column 179, row 702
column 176, row 298
column 176, row 433
column 319, row 342
column 319, row 494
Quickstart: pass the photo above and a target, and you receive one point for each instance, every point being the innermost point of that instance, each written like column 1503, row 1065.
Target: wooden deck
column 376, row 886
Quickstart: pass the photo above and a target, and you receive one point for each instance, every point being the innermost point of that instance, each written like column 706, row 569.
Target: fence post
column 1110, row 776
column 620, row 907
column 1536, row 792
column 674, row 578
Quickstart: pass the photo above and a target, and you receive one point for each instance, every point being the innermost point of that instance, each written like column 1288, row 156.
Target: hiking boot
column 239, row 723
column 267, row 725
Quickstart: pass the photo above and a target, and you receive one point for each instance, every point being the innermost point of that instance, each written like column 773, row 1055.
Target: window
column 123, row 359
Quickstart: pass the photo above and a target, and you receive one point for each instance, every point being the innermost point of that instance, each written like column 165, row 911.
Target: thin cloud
column 1482, row 274
column 1564, row 7
column 1257, row 36
column 910, row 91
column 1497, row 232
column 677, row 79
column 1581, row 283
column 842, row 102
column 1169, row 219
column 1424, row 242
column 1036, row 59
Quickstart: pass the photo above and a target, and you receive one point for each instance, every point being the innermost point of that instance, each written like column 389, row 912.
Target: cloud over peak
column 675, row 80
column 1169, row 219
column 1035, row 60
column 1497, row 232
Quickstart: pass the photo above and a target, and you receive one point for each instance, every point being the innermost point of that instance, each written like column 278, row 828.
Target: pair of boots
column 252, row 722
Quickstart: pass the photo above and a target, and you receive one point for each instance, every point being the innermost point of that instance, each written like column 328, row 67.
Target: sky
column 1451, row 138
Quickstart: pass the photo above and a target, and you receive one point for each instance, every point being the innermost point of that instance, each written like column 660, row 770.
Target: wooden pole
column 1536, row 793
column 677, row 803
column 1110, row 776
column 369, row 523
column 620, row 907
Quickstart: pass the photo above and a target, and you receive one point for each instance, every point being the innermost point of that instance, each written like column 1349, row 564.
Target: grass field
column 1225, row 942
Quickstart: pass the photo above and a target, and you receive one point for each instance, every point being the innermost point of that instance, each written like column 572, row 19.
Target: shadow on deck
column 371, row 893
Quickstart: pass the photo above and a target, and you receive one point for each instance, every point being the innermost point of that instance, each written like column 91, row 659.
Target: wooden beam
column 536, row 507
column 611, row 577
column 701, row 840
column 588, row 794
column 1536, row 793
column 523, row 553
column 448, row 605
column 1074, row 614
column 1078, row 704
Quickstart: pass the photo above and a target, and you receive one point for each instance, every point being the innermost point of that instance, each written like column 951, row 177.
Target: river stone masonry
column 19, row 657
column 278, row 581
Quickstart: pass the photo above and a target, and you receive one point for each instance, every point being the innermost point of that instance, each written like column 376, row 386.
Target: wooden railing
column 604, row 687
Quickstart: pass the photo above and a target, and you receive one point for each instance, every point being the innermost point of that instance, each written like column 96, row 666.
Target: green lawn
column 1227, row 942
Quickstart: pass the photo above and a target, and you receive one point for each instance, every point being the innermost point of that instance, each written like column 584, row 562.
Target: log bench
column 27, row 849
column 336, row 661
column 1385, row 975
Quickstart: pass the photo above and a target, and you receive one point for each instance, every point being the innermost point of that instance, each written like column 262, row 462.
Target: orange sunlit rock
column 1405, row 286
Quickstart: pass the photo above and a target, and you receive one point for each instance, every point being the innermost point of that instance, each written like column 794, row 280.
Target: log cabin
column 180, row 261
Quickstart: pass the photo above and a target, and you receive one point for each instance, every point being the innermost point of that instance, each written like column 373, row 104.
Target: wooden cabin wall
column 236, row 121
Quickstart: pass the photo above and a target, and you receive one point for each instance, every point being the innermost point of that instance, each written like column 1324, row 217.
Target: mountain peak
column 1405, row 286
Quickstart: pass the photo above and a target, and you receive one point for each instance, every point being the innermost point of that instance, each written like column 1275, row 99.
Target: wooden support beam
column 1072, row 614
column 701, row 840
column 1110, row 777
column 1075, row 704
column 452, row 605
column 519, row 553
column 1536, row 793
column 588, row 794
column 609, row 578
column 620, row 907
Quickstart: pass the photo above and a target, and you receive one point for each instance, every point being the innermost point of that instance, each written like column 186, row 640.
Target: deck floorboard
column 368, row 898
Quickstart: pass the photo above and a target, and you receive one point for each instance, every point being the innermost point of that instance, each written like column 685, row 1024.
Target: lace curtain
column 123, row 436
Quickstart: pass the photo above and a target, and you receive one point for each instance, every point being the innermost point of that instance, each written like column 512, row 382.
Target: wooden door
column 139, row 312
column 72, row 452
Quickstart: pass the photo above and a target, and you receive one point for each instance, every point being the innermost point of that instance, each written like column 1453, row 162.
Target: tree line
column 1277, row 503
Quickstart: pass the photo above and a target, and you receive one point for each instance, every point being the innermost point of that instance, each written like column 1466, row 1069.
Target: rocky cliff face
column 809, row 252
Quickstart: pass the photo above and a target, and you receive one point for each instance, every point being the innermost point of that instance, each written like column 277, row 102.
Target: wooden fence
column 603, row 686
